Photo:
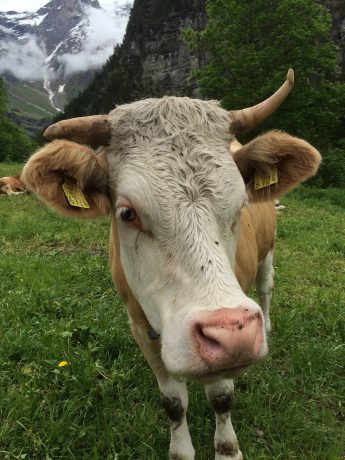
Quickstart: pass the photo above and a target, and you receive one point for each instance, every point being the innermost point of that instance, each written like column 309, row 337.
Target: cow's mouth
column 230, row 373
column 211, row 376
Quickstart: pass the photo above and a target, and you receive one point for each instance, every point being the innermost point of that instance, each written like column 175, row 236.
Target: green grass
column 58, row 303
column 26, row 96
column 26, row 110
column 9, row 169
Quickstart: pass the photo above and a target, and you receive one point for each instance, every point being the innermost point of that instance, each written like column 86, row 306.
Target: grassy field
column 31, row 100
column 58, row 304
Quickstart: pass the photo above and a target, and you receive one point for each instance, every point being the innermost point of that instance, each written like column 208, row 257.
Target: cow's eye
column 128, row 215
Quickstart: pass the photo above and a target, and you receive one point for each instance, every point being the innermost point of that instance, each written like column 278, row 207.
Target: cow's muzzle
column 229, row 339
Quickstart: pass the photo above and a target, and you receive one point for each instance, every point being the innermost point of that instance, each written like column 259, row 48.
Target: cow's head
column 175, row 192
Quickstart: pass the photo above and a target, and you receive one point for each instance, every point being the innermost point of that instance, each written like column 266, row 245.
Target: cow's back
column 257, row 235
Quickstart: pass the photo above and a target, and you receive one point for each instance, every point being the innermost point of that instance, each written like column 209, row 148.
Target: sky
column 33, row 5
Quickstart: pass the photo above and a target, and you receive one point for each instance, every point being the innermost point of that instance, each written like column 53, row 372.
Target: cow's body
column 185, row 247
column 11, row 185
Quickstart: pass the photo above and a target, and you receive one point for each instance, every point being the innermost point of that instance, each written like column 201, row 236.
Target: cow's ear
column 274, row 163
column 71, row 178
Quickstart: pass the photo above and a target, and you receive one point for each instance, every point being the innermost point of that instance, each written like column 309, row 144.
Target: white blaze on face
column 178, row 196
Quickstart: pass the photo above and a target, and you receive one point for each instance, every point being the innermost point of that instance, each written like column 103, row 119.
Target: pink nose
column 228, row 338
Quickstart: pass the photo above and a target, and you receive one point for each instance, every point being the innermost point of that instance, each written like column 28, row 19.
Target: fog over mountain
column 102, row 31
column 61, row 44
column 26, row 40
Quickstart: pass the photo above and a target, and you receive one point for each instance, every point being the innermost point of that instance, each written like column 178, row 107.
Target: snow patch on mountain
column 51, row 94
column 31, row 20
column 6, row 30
column 60, row 39
column 96, row 46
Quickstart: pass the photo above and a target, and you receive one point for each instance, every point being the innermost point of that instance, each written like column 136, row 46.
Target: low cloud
column 103, row 32
column 26, row 61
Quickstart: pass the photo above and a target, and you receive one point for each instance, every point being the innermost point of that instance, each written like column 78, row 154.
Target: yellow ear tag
column 75, row 196
column 268, row 178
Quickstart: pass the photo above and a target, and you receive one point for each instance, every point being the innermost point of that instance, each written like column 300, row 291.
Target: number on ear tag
column 75, row 196
column 262, row 180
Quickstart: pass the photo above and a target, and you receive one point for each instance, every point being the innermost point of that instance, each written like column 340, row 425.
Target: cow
column 11, row 185
column 193, row 226
column 279, row 207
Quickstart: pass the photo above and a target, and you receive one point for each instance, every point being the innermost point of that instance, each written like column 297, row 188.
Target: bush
column 322, row 196
column 332, row 169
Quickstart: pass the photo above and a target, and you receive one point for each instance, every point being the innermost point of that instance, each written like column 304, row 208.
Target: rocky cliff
column 153, row 59
column 337, row 10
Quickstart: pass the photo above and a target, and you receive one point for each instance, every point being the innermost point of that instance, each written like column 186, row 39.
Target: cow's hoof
column 237, row 456
column 229, row 455
column 178, row 456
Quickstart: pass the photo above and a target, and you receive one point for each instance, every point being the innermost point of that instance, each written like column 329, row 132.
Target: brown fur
column 11, row 185
column 59, row 161
column 295, row 159
column 257, row 235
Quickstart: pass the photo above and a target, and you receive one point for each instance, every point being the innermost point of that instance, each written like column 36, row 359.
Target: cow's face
column 175, row 193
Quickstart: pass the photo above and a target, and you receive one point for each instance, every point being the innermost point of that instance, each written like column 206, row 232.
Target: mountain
column 50, row 55
column 153, row 59
column 66, row 40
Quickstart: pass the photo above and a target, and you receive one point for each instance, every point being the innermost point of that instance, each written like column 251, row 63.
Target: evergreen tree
column 251, row 44
column 2, row 97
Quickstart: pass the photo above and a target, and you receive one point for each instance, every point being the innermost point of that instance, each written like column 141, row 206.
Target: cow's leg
column 220, row 396
column 264, row 287
column 175, row 403
column 174, row 397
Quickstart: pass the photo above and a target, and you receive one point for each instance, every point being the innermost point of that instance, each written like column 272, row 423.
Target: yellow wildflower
column 63, row 364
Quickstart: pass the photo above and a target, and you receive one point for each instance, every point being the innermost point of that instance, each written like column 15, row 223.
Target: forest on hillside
column 250, row 46
column 15, row 144
column 237, row 52
column 243, row 54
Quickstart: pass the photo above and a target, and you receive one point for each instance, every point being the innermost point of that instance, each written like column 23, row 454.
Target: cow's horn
column 94, row 130
column 247, row 119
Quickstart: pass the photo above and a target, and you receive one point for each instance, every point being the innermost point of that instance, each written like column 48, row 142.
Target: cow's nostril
column 201, row 334
column 204, row 338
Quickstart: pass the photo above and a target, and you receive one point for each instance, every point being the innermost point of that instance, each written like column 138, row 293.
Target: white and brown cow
column 11, row 185
column 190, row 233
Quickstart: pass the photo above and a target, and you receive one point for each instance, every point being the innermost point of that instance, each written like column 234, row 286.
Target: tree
column 2, row 97
column 251, row 44
column 15, row 144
